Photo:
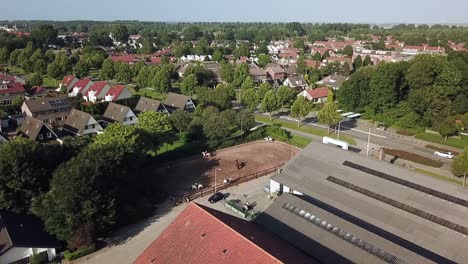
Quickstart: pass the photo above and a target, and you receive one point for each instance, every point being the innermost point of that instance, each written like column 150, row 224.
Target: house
column 116, row 113
column 312, row 63
column 11, row 78
column 37, row 91
column 81, row 123
column 47, row 109
column 258, row 74
column 67, row 83
column 204, row 235
column 147, row 104
column 175, row 102
column 117, row 92
column 343, row 207
column 296, row 81
column 317, row 95
column 333, row 81
column 21, row 236
column 35, row 129
column 126, row 58
column 80, row 87
column 275, row 72
column 9, row 90
column 96, row 92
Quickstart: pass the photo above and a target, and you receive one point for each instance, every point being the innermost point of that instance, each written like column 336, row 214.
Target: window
column 93, row 126
column 40, row 137
column 131, row 118
column 58, row 118
column 49, row 135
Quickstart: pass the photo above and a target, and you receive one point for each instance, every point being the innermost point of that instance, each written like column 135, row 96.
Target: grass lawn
column 49, row 82
column 16, row 70
column 310, row 130
column 149, row 92
column 440, row 177
column 452, row 142
column 168, row 147
column 298, row 141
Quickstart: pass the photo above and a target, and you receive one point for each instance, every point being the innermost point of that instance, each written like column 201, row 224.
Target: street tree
column 270, row 103
column 300, row 109
column 460, row 165
column 328, row 115
column 124, row 73
column 40, row 66
column 36, row 79
column 446, row 127
column 249, row 98
column 107, row 71
column 285, row 95
column 188, row 84
column 180, row 120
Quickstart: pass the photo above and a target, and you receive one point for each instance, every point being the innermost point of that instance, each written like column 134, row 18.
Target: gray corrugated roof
column 308, row 172
column 76, row 121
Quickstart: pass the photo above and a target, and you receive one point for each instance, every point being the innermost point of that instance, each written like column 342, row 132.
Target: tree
column 36, row 79
column 285, row 95
column 348, row 51
column 296, row 28
column 227, row 72
column 107, row 71
column 216, row 127
column 44, row 35
column 245, row 120
column 218, row 56
column 367, row 61
column 249, row 98
column 143, row 77
column 156, row 129
column 22, row 176
column 180, row 120
column 81, row 69
column 460, row 164
column 446, row 127
column 357, row 62
column 17, row 101
column 301, row 65
column 124, row 73
column 262, row 90
column 148, row 47
column 54, row 70
column 14, row 57
column 263, row 60
column 270, row 103
column 317, row 56
column 188, row 84
column 328, row 115
column 300, row 109
column 162, row 81
column 120, row 33
column 49, row 56
column 248, row 83
column 299, row 43
column 40, row 67
column 4, row 55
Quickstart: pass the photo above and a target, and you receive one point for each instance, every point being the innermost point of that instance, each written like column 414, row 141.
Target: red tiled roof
column 125, row 58
column 81, row 84
column 37, row 90
column 97, row 87
column 312, row 63
column 115, row 91
column 155, row 60
column 68, row 79
column 320, row 92
column 12, row 87
column 201, row 235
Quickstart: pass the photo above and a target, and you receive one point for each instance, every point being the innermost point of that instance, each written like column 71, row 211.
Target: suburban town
column 257, row 141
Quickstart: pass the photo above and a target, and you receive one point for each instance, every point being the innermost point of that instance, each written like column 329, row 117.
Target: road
column 377, row 138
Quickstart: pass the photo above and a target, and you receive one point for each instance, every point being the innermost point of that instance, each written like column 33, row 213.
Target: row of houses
column 49, row 118
column 94, row 92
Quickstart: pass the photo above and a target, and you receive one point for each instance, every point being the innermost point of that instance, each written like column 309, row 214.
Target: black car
column 216, row 197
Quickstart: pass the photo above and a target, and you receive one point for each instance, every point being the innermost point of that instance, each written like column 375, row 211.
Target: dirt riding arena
column 252, row 157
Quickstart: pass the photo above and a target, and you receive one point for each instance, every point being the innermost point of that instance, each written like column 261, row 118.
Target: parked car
column 443, row 154
column 216, row 197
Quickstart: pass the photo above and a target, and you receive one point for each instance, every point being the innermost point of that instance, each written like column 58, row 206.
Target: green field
column 149, row 92
column 309, row 130
column 452, row 142
column 298, row 141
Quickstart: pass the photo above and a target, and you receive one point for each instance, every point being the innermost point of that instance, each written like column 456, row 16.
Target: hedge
column 414, row 157
column 79, row 253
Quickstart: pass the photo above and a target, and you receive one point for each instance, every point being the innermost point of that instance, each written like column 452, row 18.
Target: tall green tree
column 249, row 98
column 328, row 115
column 107, row 71
column 270, row 103
column 180, row 120
column 188, row 84
column 4, row 56
column 285, row 95
column 300, row 109
column 460, row 164
column 120, row 33
column 124, row 73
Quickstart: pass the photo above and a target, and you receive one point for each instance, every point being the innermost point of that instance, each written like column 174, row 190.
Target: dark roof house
column 35, row 129
column 147, row 104
column 81, row 123
column 116, row 113
column 175, row 101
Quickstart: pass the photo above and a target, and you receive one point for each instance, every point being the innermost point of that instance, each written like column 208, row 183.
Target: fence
column 235, row 182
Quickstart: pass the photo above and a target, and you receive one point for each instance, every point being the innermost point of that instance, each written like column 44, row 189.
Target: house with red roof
column 68, row 82
column 275, row 72
column 317, row 95
column 96, row 92
column 126, row 58
column 80, row 87
column 117, row 92
column 10, row 90
column 312, row 63
column 202, row 235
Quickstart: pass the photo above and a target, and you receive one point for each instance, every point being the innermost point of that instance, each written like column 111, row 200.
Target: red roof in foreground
column 12, row 87
column 318, row 92
column 115, row 91
column 81, row 84
column 97, row 87
column 201, row 235
column 68, row 79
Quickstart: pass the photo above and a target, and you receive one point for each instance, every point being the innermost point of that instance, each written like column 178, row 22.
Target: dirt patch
column 401, row 154
column 405, row 132
column 441, row 149
column 253, row 157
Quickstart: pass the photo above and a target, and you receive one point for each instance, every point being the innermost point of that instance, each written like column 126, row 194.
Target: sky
column 350, row 11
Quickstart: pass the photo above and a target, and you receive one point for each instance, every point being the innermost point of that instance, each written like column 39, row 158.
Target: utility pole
column 368, row 143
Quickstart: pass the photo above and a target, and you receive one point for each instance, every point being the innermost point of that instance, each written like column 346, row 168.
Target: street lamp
column 215, row 178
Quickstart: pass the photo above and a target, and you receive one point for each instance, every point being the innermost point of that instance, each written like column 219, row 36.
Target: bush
column 414, row 157
column 405, row 132
column 35, row 259
column 278, row 133
column 79, row 253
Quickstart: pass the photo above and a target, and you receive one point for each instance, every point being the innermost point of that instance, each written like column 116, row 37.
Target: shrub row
column 79, row 253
